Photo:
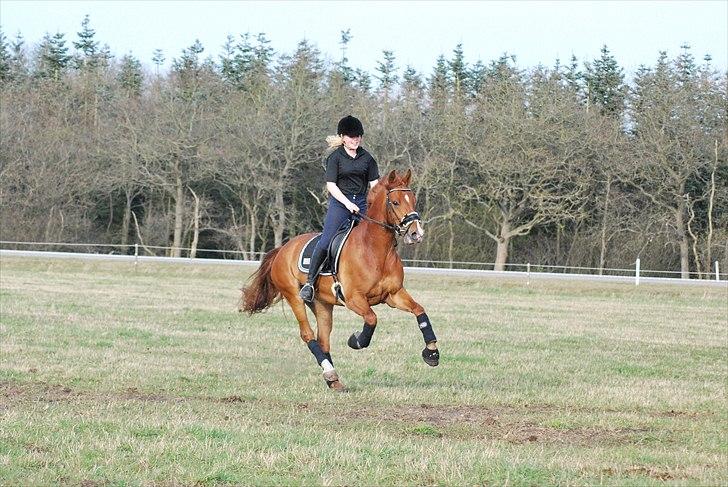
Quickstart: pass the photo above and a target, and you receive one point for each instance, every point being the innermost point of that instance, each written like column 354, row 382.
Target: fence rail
column 132, row 252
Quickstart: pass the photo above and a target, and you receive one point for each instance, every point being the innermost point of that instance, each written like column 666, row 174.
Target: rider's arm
column 339, row 196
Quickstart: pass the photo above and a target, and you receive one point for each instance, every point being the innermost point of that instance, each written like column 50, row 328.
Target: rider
column 348, row 170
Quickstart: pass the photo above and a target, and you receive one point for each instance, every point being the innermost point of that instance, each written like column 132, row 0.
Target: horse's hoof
column 336, row 385
column 354, row 341
column 331, row 376
column 431, row 357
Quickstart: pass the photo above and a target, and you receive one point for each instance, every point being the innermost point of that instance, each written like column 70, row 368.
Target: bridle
column 404, row 222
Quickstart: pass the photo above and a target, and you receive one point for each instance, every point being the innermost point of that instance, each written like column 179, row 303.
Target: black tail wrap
column 426, row 328
column 315, row 348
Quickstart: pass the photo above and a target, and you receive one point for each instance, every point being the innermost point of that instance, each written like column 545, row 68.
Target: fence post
column 528, row 269
column 637, row 272
column 136, row 255
column 717, row 271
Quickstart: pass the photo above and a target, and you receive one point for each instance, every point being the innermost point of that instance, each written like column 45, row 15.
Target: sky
column 536, row 32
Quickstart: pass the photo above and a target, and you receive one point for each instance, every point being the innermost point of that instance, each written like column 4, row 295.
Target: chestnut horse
column 370, row 272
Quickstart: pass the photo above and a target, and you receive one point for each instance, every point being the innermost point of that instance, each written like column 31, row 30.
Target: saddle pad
column 334, row 251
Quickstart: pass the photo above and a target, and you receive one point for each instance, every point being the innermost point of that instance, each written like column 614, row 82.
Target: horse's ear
column 392, row 176
column 406, row 178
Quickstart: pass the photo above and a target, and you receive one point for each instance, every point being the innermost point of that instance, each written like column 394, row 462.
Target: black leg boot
column 317, row 260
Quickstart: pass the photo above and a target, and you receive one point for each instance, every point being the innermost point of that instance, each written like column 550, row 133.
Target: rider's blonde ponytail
column 334, row 141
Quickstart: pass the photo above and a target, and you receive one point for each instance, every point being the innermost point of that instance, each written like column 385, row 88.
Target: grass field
column 122, row 376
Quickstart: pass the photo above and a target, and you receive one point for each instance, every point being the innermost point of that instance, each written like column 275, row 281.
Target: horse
column 370, row 272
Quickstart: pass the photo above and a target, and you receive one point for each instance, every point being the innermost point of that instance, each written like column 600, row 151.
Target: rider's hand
column 352, row 208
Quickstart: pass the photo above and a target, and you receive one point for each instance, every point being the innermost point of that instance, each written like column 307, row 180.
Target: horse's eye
column 395, row 203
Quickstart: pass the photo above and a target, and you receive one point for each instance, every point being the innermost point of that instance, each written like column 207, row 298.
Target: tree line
column 568, row 165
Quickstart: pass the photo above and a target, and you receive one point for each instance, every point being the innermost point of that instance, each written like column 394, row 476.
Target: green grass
column 122, row 376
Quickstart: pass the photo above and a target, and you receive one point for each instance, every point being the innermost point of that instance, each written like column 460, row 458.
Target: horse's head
column 401, row 203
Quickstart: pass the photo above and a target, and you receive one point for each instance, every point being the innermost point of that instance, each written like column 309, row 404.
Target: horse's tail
column 260, row 291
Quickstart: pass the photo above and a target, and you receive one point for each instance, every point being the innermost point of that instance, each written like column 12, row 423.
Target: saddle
column 331, row 262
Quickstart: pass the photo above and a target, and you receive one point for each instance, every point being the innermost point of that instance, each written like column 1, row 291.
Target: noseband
column 400, row 228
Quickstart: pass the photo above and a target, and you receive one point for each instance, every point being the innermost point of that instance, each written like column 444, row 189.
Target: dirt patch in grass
column 509, row 424
column 18, row 392
column 642, row 471
column 11, row 392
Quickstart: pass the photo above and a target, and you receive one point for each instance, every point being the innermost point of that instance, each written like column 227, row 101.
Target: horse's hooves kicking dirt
column 431, row 357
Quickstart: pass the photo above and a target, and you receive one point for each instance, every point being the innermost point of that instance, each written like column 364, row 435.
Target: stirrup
column 306, row 292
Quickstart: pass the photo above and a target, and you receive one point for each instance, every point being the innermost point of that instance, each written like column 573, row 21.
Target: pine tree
column 262, row 55
column 130, row 75
column 86, row 45
column 190, row 59
column 605, row 84
column 347, row 73
column 5, row 58
column 573, row 76
column 685, row 66
column 18, row 58
column 158, row 59
column 458, row 72
column 53, row 56
column 387, row 72
column 476, row 77
column 363, row 80
column 411, row 80
column 438, row 81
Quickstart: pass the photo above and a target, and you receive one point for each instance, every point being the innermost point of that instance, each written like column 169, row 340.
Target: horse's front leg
column 402, row 300
column 360, row 305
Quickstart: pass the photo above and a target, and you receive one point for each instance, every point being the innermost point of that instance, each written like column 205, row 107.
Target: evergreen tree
column 5, row 58
column 190, row 59
column 158, row 59
column 605, row 84
column 458, row 72
column 347, row 73
column 685, row 66
column 53, row 56
column 573, row 76
column 130, row 75
column 86, row 45
column 227, row 69
column 438, row 81
column 411, row 80
column 363, row 80
column 262, row 56
column 18, row 58
column 387, row 72
column 476, row 77
column 243, row 64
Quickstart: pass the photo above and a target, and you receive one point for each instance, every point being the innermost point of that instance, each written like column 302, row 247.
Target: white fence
column 528, row 271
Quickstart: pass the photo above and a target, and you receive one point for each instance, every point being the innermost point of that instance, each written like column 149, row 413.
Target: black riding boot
column 314, row 267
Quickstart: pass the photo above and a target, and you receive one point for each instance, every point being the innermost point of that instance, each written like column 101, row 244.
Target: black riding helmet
column 350, row 126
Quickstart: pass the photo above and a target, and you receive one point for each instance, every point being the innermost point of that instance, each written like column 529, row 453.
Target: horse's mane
column 376, row 190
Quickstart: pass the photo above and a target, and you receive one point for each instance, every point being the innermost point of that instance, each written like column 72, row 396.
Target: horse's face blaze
column 403, row 203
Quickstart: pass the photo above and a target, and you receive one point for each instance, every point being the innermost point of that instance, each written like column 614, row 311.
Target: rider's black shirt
column 351, row 174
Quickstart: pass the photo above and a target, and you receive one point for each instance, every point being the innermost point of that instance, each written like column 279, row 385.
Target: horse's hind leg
column 402, row 300
column 299, row 310
column 324, row 323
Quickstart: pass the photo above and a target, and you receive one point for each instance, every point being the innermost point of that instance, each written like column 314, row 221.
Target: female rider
column 349, row 170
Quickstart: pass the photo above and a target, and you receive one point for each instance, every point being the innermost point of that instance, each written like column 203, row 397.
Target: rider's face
column 352, row 143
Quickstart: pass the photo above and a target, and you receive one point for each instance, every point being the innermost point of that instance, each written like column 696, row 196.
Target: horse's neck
column 375, row 239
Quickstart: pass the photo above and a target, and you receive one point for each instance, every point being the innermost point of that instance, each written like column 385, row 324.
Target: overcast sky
column 417, row 31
